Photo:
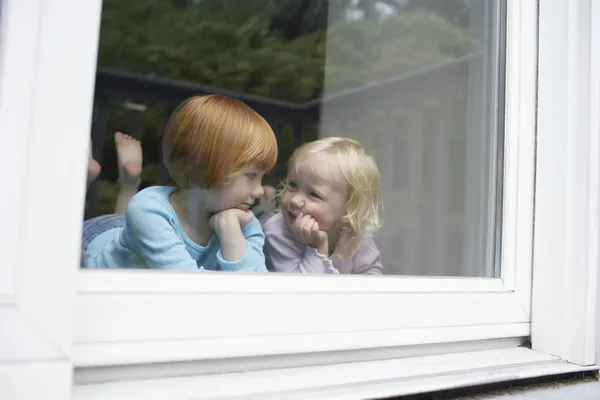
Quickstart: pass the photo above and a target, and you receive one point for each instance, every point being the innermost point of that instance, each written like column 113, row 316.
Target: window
column 422, row 88
column 142, row 326
column 419, row 83
column 322, row 314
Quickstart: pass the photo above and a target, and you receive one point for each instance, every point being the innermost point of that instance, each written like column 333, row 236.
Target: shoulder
column 152, row 199
column 367, row 251
column 151, row 207
column 274, row 225
column 278, row 235
column 367, row 259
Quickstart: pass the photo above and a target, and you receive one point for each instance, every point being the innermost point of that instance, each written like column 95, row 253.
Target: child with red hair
column 217, row 150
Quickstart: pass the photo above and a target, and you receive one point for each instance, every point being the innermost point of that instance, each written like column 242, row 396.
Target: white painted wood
column 20, row 28
column 568, row 177
column 436, row 382
column 57, row 155
column 20, row 340
column 161, row 317
column 373, row 379
column 36, row 380
column 595, row 133
column 519, row 153
column 165, row 282
column 176, row 350
column 134, row 317
column 85, row 375
column 47, row 75
column 18, row 39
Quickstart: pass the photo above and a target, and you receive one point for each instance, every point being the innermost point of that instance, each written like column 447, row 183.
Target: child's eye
column 251, row 175
column 292, row 185
column 316, row 195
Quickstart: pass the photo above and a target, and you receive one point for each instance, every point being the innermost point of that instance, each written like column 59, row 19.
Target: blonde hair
column 359, row 172
column 209, row 138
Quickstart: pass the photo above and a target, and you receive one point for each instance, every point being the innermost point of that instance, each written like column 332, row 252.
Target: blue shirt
column 153, row 237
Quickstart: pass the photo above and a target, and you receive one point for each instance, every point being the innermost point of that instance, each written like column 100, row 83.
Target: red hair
column 209, row 138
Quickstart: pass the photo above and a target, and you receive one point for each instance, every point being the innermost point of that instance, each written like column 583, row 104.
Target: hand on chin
column 306, row 229
column 224, row 218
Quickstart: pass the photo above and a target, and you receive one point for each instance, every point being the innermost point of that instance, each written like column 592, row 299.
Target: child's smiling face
column 241, row 190
column 312, row 188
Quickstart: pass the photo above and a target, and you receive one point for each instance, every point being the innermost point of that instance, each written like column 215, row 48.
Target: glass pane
column 418, row 82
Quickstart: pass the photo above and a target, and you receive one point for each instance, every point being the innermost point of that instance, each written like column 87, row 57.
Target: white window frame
column 46, row 67
column 133, row 323
column 566, row 281
column 110, row 329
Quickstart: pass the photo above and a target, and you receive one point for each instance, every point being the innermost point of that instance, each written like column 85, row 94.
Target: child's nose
column 297, row 201
column 258, row 192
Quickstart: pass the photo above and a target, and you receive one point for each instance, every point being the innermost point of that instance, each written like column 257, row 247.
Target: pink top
column 286, row 254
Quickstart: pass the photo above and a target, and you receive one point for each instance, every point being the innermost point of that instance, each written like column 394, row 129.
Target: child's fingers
column 297, row 228
column 298, row 224
column 305, row 225
column 315, row 229
column 303, row 221
column 312, row 228
column 244, row 217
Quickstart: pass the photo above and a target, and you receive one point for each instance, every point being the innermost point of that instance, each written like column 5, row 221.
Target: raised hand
column 306, row 229
column 230, row 218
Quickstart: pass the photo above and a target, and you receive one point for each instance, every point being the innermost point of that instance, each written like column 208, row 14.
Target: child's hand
column 306, row 229
column 228, row 225
column 230, row 218
column 244, row 217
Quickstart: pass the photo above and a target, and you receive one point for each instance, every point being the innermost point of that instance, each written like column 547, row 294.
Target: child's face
column 314, row 191
column 240, row 190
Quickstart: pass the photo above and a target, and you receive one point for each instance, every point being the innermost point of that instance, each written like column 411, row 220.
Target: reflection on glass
column 417, row 82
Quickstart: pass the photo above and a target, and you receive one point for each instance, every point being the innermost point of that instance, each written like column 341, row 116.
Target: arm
column 242, row 248
column 286, row 254
column 152, row 236
column 368, row 259
column 228, row 225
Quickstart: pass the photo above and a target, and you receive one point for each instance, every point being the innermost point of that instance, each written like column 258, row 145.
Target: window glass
column 419, row 83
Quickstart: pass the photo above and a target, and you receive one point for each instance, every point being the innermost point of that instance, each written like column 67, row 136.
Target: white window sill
column 371, row 379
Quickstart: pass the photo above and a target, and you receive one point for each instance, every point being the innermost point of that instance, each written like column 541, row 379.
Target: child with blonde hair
column 217, row 150
column 329, row 212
